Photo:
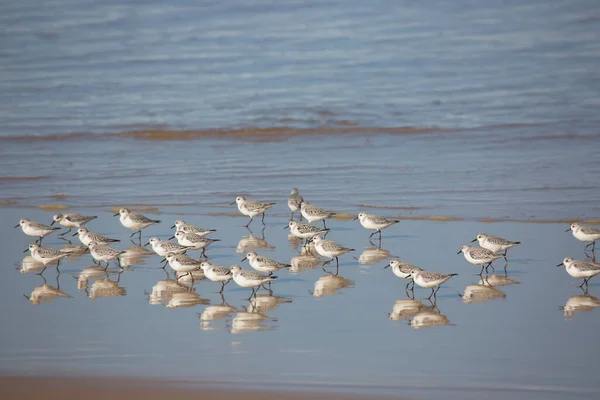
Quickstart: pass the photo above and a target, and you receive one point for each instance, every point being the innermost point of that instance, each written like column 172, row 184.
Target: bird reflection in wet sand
column 164, row 290
column 580, row 303
column 329, row 285
column 477, row 293
column 73, row 250
column 265, row 302
column 188, row 280
column 93, row 272
column 429, row 317
column 497, row 280
column 404, row 309
column 250, row 321
column 135, row 255
column 252, row 242
column 306, row 260
column 215, row 312
column 186, row 299
column 46, row 293
column 30, row 264
column 105, row 287
column 373, row 255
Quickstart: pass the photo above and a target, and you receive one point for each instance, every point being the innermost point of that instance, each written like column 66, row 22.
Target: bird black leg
column 337, row 262
column 40, row 240
column 57, row 265
column 324, row 226
column 222, row 287
column 263, row 219
column 42, row 270
column 481, row 272
column 65, row 232
column 248, row 224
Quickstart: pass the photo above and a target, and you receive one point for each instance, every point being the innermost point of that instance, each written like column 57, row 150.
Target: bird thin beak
column 232, row 203
column 75, row 234
column 244, row 259
column 474, row 240
column 25, row 251
column 568, row 230
column 52, row 222
column 561, row 264
column 460, row 251
column 286, row 227
column 387, row 266
column 355, row 218
column 17, row 225
column 146, row 244
column 173, row 226
column 116, row 215
column 172, row 237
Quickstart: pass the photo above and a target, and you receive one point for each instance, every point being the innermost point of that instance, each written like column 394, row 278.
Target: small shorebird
column 217, row 273
column 164, row 247
column 375, row 223
column 479, row 256
column 180, row 225
column 312, row 213
column 585, row 234
column 86, row 237
column 35, row 229
column 330, row 249
column 294, row 201
column 46, row 255
column 252, row 208
column 102, row 252
column 71, row 220
column 193, row 241
column 304, row 231
column 403, row 270
column 182, row 263
column 135, row 221
column 264, row 264
column 585, row 270
column 250, row 279
column 494, row 243
column 430, row 280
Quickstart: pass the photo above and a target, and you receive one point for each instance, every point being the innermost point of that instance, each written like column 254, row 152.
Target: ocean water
column 455, row 118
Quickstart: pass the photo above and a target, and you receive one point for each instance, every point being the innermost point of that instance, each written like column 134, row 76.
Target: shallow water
column 446, row 116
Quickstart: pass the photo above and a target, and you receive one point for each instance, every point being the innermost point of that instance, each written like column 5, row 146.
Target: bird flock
column 193, row 238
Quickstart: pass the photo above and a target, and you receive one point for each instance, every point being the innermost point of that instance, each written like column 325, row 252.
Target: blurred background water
column 468, row 111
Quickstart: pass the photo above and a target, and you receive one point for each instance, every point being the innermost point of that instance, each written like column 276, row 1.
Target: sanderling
column 71, row 220
column 264, row 264
column 294, row 201
column 183, row 263
column 46, row 255
column 330, row 249
column 585, row 270
column 480, row 293
column 32, row 228
column 164, row 247
column 429, row 280
column 102, row 252
column 252, row 208
column 180, row 225
column 250, row 279
column 135, row 221
column 193, row 241
column 582, row 233
column 375, row 223
column 312, row 213
column 86, row 237
column 304, row 231
column 217, row 273
column 479, row 256
column 494, row 243
column 403, row 270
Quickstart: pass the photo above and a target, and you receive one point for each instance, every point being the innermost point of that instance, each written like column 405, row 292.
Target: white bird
column 479, row 256
column 164, row 247
column 181, row 225
column 217, row 273
column 585, row 270
column 585, row 234
column 71, row 220
column 46, row 255
column 135, row 221
column 494, row 243
column 312, row 213
column 193, row 241
column 375, row 223
column 86, row 237
column 102, row 252
column 330, row 249
column 294, row 201
column 264, row 264
column 32, row 228
column 250, row 279
column 252, row 208
column 304, row 231
column 430, row 280
column 182, row 263
column 403, row 270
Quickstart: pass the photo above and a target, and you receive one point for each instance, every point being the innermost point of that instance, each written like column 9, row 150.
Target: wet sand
column 48, row 388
